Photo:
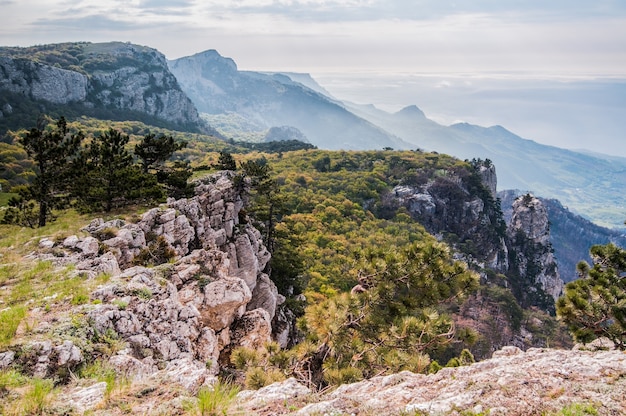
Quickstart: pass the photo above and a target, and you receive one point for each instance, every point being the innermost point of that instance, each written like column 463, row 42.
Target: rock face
column 564, row 224
column 42, row 82
column 489, row 178
column 466, row 215
column 512, row 383
column 469, row 218
column 211, row 296
column 282, row 133
column 114, row 76
column 531, row 258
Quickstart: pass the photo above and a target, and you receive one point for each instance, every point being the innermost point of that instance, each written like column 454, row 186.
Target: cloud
column 87, row 23
column 566, row 36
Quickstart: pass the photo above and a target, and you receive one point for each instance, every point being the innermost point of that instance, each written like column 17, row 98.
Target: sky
column 552, row 71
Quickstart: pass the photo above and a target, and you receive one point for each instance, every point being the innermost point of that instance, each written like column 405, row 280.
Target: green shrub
column 243, row 358
column 256, row 377
column 434, row 367
column 157, row 252
column 216, row 399
column 338, row 376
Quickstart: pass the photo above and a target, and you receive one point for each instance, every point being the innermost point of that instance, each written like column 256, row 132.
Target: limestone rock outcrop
column 512, row 383
column 42, row 82
column 113, row 76
column 466, row 213
column 533, row 261
column 204, row 294
column 468, row 216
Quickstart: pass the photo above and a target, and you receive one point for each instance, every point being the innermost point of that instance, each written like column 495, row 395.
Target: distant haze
column 554, row 41
column 576, row 113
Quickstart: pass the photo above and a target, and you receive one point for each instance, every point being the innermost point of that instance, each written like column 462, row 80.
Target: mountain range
column 120, row 80
column 216, row 86
column 588, row 184
column 375, row 264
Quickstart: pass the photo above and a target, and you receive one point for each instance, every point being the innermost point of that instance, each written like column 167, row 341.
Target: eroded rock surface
column 512, row 383
column 534, row 262
column 127, row 78
column 208, row 296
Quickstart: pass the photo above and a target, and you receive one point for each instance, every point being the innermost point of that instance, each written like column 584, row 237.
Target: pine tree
column 225, row 161
column 110, row 177
column 394, row 319
column 595, row 304
column 154, row 151
column 54, row 152
column 265, row 203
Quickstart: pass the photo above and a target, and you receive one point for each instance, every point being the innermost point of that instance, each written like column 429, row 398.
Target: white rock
column 87, row 398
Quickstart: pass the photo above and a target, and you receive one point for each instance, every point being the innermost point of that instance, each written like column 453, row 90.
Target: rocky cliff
column 42, row 82
column 463, row 210
column 97, row 78
column 564, row 224
column 533, row 269
column 204, row 293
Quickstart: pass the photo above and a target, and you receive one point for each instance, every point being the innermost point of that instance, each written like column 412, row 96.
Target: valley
column 286, row 238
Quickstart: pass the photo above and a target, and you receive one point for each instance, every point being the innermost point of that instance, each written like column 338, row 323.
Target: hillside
column 121, row 81
column 589, row 185
column 112, row 81
column 216, row 86
column 143, row 332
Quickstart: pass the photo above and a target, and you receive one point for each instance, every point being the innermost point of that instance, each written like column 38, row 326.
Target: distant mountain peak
column 211, row 55
column 411, row 111
column 277, row 99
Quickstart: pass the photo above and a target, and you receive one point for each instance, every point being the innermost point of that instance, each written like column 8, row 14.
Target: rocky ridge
column 463, row 211
column 468, row 216
column 218, row 87
column 176, row 319
column 111, row 76
column 512, row 383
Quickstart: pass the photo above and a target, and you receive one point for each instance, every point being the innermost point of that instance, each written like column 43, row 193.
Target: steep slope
column 216, row 86
column 590, row 185
column 571, row 235
column 107, row 80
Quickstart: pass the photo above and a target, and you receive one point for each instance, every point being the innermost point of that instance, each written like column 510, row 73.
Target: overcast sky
column 446, row 42
column 556, row 37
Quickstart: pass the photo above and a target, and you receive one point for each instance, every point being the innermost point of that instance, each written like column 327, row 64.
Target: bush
column 216, row 399
column 157, row 252
column 594, row 305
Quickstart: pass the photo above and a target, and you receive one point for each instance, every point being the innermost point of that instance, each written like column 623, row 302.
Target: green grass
column 10, row 379
column 10, row 320
column 34, row 401
column 576, row 409
column 100, row 371
column 214, row 400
